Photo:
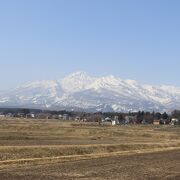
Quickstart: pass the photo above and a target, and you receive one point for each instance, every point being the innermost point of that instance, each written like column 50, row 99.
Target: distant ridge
column 79, row 91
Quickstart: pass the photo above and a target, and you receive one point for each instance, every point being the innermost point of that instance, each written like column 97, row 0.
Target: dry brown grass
column 21, row 152
column 26, row 142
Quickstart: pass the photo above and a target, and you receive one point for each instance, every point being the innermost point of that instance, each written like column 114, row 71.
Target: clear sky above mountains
column 44, row 39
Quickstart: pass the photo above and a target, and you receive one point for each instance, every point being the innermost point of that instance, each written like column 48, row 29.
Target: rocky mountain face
column 79, row 91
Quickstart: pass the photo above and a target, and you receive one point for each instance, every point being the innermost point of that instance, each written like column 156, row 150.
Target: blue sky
column 48, row 39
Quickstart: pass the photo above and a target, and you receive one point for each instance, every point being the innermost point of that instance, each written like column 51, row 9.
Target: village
column 135, row 118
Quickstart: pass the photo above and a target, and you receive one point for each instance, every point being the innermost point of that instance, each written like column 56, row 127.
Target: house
column 65, row 117
column 60, row 116
column 20, row 115
column 130, row 120
column 9, row 115
column 144, row 122
column 84, row 120
column 70, row 118
column 30, row 115
column 113, row 122
column 164, row 121
column 44, row 116
column 116, row 118
column 2, row 115
column 108, row 121
column 55, row 116
column 105, row 123
column 77, row 118
column 175, row 121
column 157, row 122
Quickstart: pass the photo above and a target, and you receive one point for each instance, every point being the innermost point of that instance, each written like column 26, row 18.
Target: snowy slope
column 79, row 91
column 76, row 82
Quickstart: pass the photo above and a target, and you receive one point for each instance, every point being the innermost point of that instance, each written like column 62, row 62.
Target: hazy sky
column 48, row 39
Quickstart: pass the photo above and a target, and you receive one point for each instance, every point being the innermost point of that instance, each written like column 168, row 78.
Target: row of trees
column 140, row 116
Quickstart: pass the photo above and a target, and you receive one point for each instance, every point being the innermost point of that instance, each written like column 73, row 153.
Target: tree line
column 96, row 116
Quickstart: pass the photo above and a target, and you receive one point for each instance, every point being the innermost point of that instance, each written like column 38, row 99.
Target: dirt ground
column 50, row 149
column 155, row 166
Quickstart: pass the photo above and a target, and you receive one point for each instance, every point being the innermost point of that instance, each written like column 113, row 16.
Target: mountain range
column 81, row 92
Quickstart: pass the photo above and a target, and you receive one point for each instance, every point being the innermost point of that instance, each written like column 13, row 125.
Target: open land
column 53, row 149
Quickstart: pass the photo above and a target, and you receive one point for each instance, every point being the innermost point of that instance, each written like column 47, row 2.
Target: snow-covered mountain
column 79, row 91
column 76, row 82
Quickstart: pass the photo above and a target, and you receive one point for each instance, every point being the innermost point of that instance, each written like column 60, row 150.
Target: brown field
column 52, row 149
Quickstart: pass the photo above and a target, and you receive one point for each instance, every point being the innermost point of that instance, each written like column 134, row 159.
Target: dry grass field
column 52, row 149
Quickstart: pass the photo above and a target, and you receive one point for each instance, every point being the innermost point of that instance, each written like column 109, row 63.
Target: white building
column 175, row 121
column 109, row 121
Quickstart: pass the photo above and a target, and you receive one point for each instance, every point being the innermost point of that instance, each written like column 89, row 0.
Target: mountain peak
column 132, row 82
column 76, row 81
column 79, row 74
column 81, row 91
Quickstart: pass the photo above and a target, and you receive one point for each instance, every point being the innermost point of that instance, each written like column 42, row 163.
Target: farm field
column 53, row 149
